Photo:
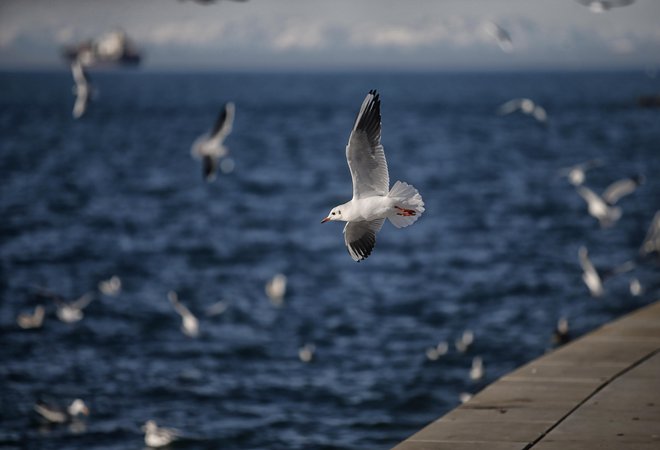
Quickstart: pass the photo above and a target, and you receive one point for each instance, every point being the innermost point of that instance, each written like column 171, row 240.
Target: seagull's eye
column 333, row 214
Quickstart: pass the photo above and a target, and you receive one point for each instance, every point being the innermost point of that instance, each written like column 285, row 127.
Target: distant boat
column 113, row 48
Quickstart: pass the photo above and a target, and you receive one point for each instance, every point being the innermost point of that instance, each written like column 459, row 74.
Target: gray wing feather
column 365, row 154
column 360, row 237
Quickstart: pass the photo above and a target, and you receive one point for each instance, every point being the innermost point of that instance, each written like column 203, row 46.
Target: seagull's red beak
column 325, row 220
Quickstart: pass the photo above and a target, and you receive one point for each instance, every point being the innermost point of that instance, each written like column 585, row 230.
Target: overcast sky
column 339, row 34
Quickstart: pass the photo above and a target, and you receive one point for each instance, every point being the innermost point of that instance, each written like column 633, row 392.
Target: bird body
column 373, row 201
column 209, row 147
column 34, row 320
column 590, row 275
column 155, row 436
column 57, row 415
column 82, row 89
column 607, row 215
column 73, row 311
column 189, row 323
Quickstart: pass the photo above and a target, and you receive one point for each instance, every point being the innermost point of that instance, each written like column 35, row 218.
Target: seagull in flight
column 189, row 323
column 502, row 36
column 373, row 201
column 526, row 106
column 82, row 90
column 209, row 146
column 28, row 321
column 600, row 6
column 606, row 214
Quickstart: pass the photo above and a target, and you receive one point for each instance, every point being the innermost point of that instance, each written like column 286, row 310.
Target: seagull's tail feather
column 407, row 197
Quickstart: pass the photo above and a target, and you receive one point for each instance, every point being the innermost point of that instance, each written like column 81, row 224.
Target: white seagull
column 526, row 106
column 373, row 201
column 111, row 286
column 599, row 6
column 82, row 90
column 502, row 36
column 55, row 414
column 477, row 369
column 607, row 215
column 463, row 343
column 209, row 146
column 306, row 352
column 73, row 311
column 155, row 436
column 28, row 321
column 576, row 174
column 276, row 289
column 189, row 323
column 590, row 275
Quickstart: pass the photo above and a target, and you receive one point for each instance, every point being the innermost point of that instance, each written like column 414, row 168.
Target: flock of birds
column 373, row 202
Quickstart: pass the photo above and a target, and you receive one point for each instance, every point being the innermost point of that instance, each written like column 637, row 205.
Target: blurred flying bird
column 209, row 147
column 82, row 90
column 636, row 288
column 590, row 275
column 502, row 36
column 306, row 352
column 626, row 186
column 189, row 323
column 577, row 174
column 276, row 289
column 526, row 106
column 34, row 320
column 477, row 370
column 463, row 343
column 599, row 6
column 73, row 311
column 465, row 397
column 607, row 215
column 372, row 201
column 155, row 436
column 433, row 353
column 57, row 415
column 651, row 243
column 561, row 334
column 110, row 287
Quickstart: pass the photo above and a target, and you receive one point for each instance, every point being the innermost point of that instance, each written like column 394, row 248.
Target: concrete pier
column 601, row 391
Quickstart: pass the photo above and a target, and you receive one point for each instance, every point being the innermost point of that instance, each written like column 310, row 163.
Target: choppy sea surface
column 117, row 193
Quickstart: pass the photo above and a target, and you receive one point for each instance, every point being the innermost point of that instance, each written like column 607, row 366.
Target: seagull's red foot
column 405, row 212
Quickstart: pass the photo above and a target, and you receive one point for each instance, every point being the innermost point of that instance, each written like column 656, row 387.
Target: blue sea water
column 117, row 193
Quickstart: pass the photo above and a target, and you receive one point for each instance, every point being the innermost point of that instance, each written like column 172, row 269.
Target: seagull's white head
column 335, row 214
column 78, row 407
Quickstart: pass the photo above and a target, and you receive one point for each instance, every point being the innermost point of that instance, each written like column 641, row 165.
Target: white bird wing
column 83, row 301
column 510, row 106
column 78, row 73
column 224, row 123
column 360, row 237
column 592, row 199
column 365, row 154
column 81, row 103
column 618, row 189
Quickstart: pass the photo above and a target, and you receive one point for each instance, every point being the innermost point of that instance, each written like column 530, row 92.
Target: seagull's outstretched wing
column 83, row 301
column 365, row 155
column 360, row 238
column 621, row 188
column 224, row 123
column 590, row 275
column 79, row 76
column 510, row 106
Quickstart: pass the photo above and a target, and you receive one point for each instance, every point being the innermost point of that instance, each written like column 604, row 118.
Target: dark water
column 118, row 193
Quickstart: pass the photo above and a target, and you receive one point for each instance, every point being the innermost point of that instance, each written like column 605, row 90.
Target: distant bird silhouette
column 651, row 243
column 306, row 352
column 82, row 90
column 70, row 312
column 477, row 371
column 276, row 289
column 600, row 6
column 433, row 353
column 155, row 436
column 465, row 341
column 526, row 106
column 576, row 174
column 189, row 323
column 30, row 321
column 561, row 335
column 606, row 214
column 57, row 415
column 209, row 147
column 501, row 35
column 110, row 287
column 216, row 309
column 594, row 278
